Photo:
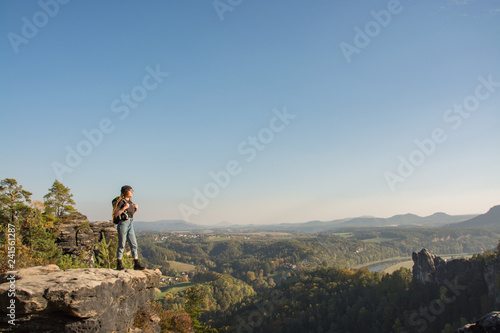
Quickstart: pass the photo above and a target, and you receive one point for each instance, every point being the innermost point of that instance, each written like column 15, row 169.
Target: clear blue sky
column 304, row 110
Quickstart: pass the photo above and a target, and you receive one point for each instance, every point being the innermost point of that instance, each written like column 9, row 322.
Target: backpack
column 123, row 216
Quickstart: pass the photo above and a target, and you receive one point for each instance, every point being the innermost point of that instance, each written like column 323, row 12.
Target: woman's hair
column 115, row 208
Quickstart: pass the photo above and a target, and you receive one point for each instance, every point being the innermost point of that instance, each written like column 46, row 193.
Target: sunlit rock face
column 76, row 300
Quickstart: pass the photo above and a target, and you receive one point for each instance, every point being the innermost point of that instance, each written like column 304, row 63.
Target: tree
column 104, row 256
column 30, row 234
column 13, row 200
column 58, row 201
column 195, row 296
column 250, row 276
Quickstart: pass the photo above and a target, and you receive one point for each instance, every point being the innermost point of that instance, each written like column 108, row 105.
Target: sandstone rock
column 492, row 278
column 489, row 323
column 428, row 268
column 423, row 267
column 79, row 238
column 77, row 300
column 103, row 228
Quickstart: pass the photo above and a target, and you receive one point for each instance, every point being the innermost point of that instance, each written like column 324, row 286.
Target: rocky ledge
column 77, row 300
column 487, row 324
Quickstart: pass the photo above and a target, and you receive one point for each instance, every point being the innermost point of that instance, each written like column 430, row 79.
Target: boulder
column 76, row 300
column 489, row 323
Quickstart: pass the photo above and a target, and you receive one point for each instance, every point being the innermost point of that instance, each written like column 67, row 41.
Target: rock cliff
column 76, row 300
column 492, row 278
column 79, row 238
column 428, row 268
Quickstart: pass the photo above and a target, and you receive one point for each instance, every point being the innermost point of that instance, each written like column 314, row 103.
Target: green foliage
column 195, row 297
column 221, row 291
column 127, row 261
column 105, row 257
column 341, row 300
column 84, row 226
column 246, row 257
column 34, row 231
column 69, row 262
column 193, row 307
column 29, row 232
column 59, row 201
column 14, row 205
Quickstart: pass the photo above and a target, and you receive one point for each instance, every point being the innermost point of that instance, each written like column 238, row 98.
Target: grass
column 372, row 263
column 173, row 289
column 343, row 234
column 391, row 269
column 279, row 274
column 181, row 267
column 378, row 240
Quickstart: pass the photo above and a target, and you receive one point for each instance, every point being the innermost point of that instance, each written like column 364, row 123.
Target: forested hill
column 489, row 219
column 241, row 278
column 241, row 252
column 326, row 299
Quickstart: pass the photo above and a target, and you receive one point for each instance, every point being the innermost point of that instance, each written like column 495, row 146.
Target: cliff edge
column 47, row 299
column 428, row 268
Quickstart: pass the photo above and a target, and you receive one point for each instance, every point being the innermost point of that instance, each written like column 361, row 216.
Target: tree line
column 29, row 228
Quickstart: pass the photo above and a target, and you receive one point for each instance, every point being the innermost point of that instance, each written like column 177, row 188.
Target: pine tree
column 104, row 257
column 59, row 201
column 14, row 201
column 195, row 297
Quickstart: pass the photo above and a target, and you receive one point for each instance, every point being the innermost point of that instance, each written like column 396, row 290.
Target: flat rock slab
column 76, row 300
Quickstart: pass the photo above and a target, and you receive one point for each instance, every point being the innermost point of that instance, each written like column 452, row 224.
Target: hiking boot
column 119, row 265
column 138, row 266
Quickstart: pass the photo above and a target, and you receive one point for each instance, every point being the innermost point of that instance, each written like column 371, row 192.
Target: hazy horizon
column 298, row 222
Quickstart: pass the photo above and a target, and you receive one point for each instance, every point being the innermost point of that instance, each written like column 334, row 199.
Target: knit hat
column 126, row 188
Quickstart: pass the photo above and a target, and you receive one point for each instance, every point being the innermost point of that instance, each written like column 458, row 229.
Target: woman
column 125, row 209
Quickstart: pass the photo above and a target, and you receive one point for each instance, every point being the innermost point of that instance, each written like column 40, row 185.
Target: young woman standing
column 125, row 209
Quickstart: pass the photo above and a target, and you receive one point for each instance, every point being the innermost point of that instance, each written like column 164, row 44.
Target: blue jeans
column 126, row 233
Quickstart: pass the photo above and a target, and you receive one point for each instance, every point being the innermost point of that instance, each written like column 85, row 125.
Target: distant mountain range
column 491, row 218
column 167, row 225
